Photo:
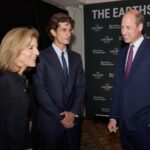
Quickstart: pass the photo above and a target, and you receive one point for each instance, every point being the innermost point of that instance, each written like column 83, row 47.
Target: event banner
column 103, row 40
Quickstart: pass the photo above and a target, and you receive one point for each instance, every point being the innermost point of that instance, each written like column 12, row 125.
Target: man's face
column 62, row 35
column 129, row 29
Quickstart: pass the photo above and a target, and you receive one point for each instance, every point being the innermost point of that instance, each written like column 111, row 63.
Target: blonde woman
column 18, row 51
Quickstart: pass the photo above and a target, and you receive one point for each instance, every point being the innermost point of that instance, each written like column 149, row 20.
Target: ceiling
column 66, row 3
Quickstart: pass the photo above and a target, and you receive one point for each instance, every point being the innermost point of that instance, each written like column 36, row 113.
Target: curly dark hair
column 54, row 21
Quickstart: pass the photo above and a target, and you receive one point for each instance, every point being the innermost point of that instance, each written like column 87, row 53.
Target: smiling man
column 131, row 90
column 59, row 85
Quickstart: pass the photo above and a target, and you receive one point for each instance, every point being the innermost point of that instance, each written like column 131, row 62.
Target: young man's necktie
column 64, row 65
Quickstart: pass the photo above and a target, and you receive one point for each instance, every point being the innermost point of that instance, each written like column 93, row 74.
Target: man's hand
column 68, row 121
column 112, row 126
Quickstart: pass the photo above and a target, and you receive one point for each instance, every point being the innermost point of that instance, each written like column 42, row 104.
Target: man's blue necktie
column 64, row 65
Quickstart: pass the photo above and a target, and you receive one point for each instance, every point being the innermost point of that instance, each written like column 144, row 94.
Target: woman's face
column 27, row 57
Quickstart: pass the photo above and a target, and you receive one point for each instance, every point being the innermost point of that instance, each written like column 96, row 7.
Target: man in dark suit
column 59, row 85
column 131, row 91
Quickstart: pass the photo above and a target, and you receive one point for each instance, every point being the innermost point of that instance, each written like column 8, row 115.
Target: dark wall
column 36, row 13
column 15, row 13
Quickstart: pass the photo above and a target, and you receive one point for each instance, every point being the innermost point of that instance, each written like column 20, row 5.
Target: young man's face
column 62, row 35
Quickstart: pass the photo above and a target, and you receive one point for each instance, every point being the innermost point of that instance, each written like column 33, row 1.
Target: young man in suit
column 59, row 85
column 131, row 91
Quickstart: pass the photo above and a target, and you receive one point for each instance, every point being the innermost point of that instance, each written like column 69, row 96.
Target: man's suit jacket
column 131, row 97
column 50, row 86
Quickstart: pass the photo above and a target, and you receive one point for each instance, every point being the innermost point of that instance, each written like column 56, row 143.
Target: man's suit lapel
column 71, row 69
column 123, row 61
column 55, row 61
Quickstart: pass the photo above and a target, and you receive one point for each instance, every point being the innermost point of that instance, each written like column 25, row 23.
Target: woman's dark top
column 13, row 111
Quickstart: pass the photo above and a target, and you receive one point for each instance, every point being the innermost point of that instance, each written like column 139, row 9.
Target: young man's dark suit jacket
column 53, row 92
column 131, row 97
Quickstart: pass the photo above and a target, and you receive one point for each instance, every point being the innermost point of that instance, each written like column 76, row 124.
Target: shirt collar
column 138, row 42
column 58, row 50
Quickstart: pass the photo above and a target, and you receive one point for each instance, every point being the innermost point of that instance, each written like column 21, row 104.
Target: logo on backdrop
column 99, row 98
column 107, row 39
column 97, row 75
column 105, row 109
column 148, row 24
column 114, row 26
column 98, row 51
column 111, row 75
column 106, row 63
column 97, row 28
column 106, row 87
column 114, row 51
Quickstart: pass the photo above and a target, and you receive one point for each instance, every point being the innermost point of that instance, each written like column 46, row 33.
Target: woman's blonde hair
column 12, row 44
